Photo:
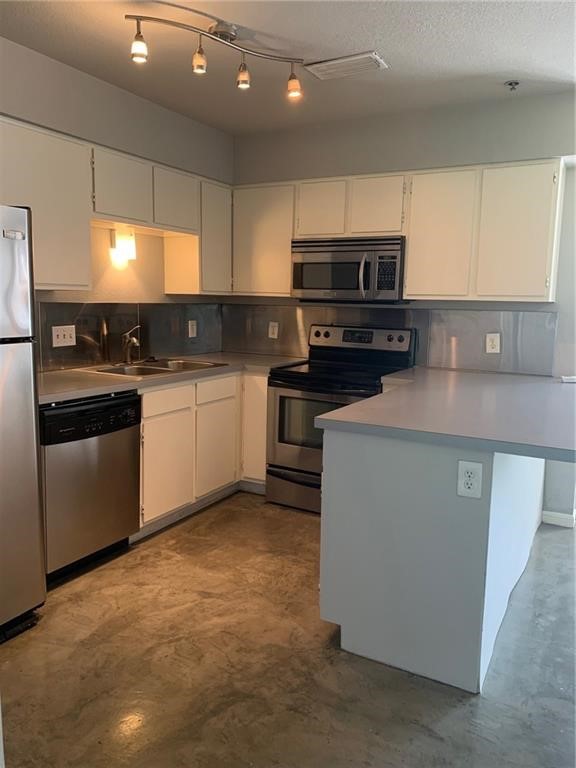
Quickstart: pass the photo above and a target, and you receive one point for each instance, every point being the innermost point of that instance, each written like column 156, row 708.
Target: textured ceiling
column 439, row 53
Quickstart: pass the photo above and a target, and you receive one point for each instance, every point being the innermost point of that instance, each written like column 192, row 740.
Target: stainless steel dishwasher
column 91, row 474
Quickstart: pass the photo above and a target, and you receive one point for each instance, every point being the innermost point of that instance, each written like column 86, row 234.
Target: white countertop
column 507, row 413
column 56, row 386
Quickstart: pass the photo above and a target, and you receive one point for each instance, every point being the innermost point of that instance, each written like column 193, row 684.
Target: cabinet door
column 440, row 239
column 52, row 176
column 517, row 227
column 321, row 208
column 376, row 205
column 167, row 462
column 263, row 221
column 176, row 199
column 216, row 445
column 254, row 408
column 122, row 186
column 216, row 239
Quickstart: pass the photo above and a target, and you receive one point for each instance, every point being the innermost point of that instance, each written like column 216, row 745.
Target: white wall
column 514, row 129
column 45, row 92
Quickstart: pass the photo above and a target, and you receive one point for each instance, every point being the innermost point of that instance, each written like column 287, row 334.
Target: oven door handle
column 294, row 477
column 361, row 286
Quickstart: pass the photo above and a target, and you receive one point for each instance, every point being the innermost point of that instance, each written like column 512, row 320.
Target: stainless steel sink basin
column 134, row 370
column 185, row 365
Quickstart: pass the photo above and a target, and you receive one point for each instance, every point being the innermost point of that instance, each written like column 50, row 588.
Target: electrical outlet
column 63, row 335
column 192, row 329
column 273, row 329
column 492, row 344
column 469, row 479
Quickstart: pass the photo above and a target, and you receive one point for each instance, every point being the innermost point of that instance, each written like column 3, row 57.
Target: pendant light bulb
column 199, row 63
column 294, row 91
column 243, row 78
column 139, row 50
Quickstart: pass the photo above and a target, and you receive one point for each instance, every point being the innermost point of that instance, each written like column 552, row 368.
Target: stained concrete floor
column 202, row 648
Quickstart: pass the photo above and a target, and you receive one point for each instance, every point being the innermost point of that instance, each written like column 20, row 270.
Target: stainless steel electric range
column 345, row 364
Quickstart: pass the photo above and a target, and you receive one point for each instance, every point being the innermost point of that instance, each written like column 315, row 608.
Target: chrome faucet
column 129, row 342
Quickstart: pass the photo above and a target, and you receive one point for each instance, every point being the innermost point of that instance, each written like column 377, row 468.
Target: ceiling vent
column 347, row 66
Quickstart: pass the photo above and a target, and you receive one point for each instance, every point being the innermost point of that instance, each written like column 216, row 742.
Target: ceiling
column 439, row 53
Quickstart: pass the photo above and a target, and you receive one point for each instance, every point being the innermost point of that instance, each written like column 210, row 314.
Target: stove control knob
column 317, row 334
column 390, row 337
column 400, row 338
column 326, row 334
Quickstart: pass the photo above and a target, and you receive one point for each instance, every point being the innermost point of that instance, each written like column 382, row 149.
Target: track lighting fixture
column 199, row 63
column 139, row 50
column 222, row 33
column 243, row 78
column 294, row 91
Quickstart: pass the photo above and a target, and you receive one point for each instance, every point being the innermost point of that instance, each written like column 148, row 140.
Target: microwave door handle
column 361, row 287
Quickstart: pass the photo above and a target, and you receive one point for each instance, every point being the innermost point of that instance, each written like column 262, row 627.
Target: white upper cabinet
column 440, row 242
column 216, row 239
column 263, row 221
column 176, row 199
column 321, row 208
column 365, row 205
column 122, row 186
column 52, row 176
column 376, row 205
column 518, row 232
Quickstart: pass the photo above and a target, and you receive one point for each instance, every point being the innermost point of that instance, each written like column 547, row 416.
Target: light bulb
column 294, row 88
column 199, row 63
column 243, row 78
column 139, row 50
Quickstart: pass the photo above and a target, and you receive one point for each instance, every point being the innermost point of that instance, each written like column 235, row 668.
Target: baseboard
column 565, row 519
column 179, row 514
column 249, row 486
column 252, row 486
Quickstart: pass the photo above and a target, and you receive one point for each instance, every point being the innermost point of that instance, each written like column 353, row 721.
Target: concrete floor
column 202, row 647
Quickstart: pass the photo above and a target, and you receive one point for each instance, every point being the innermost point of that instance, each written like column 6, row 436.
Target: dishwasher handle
column 71, row 421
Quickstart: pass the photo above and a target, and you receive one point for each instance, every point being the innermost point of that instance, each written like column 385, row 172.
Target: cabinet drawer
column 166, row 400
column 215, row 389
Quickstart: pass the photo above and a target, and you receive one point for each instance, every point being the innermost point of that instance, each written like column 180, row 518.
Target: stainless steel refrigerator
column 22, row 572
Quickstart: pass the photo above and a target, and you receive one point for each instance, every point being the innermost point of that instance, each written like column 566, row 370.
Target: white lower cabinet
column 167, row 451
column 217, row 433
column 254, row 408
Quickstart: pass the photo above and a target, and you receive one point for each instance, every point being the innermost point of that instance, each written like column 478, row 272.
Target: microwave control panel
column 386, row 275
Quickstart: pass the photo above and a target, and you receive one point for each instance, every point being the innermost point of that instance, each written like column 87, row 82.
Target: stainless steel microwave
column 348, row 269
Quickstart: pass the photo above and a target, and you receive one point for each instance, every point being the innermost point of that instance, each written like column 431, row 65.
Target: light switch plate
column 492, row 344
column 273, row 329
column 63, row 335
column 192, row 329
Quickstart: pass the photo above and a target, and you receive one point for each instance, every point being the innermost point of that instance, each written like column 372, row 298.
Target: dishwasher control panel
column 90, row 417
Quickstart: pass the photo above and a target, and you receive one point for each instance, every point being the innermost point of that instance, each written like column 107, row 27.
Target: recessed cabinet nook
column 476, row 233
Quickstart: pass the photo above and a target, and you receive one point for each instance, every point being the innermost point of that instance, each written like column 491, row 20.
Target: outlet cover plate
column 273, row 329
column 192, row 329
column 492, row 344
column 469, row 479
column 63, row 335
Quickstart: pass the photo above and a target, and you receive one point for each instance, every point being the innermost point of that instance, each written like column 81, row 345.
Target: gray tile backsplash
column 245, row 327
column 447, row 338
column 457, row 340
column 99, row 328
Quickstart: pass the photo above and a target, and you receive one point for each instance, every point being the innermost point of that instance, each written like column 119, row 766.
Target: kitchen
column 141, row 258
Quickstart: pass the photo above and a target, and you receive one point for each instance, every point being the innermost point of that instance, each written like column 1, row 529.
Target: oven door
column 293, row 441
column 344, row 276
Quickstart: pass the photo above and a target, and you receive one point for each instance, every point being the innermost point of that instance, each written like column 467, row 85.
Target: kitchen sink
column 159, row 367
column 185, row 365
column 134, row 370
